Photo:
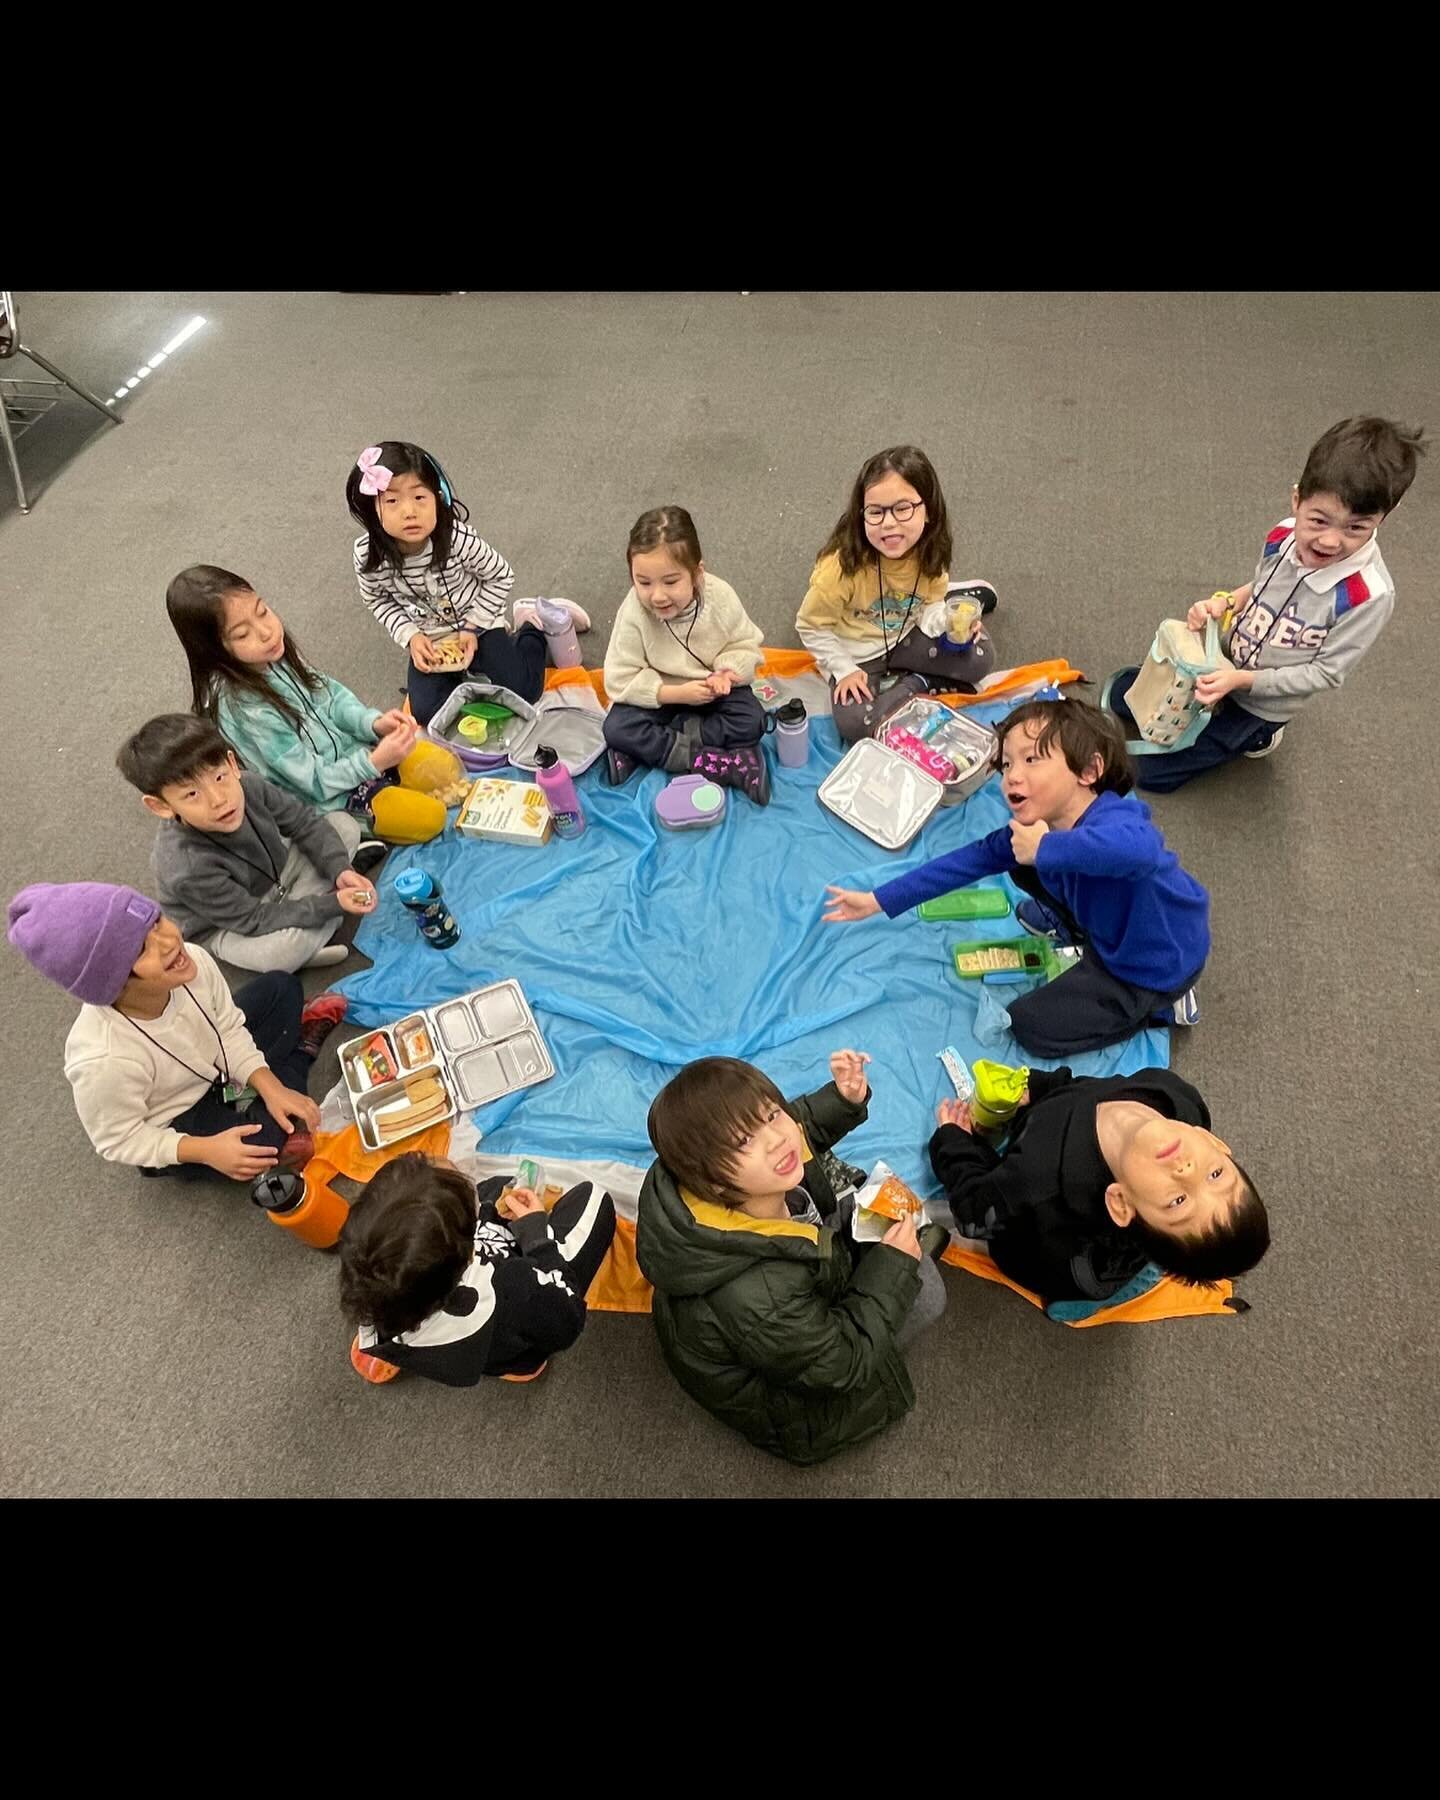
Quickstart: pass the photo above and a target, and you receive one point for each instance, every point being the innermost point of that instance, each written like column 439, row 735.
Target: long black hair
column 405, row 459
column 195, row 601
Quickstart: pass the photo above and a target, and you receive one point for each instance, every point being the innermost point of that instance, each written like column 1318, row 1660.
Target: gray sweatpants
column 291, row 949
column 855, row 719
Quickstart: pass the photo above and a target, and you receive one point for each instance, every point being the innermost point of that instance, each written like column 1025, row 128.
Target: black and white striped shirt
column 468, row 594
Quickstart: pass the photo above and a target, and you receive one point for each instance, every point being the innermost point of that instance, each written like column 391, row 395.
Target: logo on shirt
column 887, row 613
column 1258, row 626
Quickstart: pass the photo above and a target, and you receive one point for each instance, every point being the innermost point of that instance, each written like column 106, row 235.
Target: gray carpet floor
column 1106, row 459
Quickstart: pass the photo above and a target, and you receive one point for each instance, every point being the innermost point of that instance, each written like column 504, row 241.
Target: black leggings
column 517, row 663
column 271, row 1005
column 649, row 733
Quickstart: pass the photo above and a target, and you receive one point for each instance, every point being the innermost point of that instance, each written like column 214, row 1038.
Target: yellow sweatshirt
column 839, row 621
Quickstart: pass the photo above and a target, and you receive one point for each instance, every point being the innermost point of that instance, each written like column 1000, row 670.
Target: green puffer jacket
column 769, row 1323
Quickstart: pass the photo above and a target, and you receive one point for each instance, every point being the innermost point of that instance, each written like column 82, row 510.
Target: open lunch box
column 570, row 719
column 465, row 1053
column 886, row 796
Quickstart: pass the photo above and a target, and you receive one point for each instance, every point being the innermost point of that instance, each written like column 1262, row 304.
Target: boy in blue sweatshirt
column 1099, row 873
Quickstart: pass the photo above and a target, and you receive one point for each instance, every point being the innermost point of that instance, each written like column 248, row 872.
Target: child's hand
column 977, row 628
column 1025, row 840
column 285, row 1106
column 955, row 1112
column 1211, row 689
column 422, row 653
column 849, row 904
column 395, row 746
column 852, row 687
column 720, row 682
column 394, row 720
column 354, row 892
column 847, row 1070
column 518, row 1202
column 901, row 1236
column 469, row 643
column 688, row 693
column 228, row 1154
column 1213, row 608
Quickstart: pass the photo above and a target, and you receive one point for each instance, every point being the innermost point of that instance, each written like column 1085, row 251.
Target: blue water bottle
column 423, row 895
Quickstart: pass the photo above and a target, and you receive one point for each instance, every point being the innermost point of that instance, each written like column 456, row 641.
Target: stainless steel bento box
column 476, row 1047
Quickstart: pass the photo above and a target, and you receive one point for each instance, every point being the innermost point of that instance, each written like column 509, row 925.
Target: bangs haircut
column 404, row 459
column 1368, row 463
column 699, row 1118
column 169, row 751
column 408, row 1240
column 848, row 540
column 1083, row 733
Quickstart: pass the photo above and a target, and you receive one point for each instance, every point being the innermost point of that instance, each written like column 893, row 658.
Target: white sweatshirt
column 127, row 1090
column 645, row 651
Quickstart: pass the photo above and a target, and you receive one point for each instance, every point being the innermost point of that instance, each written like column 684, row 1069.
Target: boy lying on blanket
column 1098, row 1178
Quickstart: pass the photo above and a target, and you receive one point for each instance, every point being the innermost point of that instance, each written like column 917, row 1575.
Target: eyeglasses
column 902, row 509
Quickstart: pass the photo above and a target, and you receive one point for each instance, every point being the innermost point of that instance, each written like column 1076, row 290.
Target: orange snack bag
column 895, row 1201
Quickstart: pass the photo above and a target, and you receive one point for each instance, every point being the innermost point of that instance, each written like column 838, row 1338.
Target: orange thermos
column 315, row 1215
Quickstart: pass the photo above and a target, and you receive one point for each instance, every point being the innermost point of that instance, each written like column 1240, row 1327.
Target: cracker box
column 507, row 812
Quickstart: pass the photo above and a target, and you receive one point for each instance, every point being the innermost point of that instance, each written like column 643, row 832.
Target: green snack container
column 490, row 711
column 966, row 903
column 1020, row 957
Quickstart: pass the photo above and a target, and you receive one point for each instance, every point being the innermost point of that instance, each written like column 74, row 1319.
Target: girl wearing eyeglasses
column 885, row 562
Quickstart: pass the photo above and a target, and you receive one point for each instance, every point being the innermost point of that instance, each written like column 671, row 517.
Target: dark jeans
column 649, row 733
column 1087, row 1007
column 517, row 663
column 271, row 1005
column 1231, row 732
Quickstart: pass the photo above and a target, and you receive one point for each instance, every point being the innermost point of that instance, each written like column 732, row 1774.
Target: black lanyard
column 426, row 599
column 224, row 1062
column 685, row 642
column 310, row 707
column 899, row 635
column 1255, row 597
column 272, row 872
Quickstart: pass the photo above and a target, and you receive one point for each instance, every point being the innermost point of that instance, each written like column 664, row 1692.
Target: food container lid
column 880, row 794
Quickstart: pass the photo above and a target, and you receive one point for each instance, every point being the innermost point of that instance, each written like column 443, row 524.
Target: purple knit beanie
column 85, row 935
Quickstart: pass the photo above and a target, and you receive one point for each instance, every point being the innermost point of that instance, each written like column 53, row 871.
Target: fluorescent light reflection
column 159, row 357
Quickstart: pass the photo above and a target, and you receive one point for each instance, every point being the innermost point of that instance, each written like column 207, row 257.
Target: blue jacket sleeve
column 986, row 856
column 1118, row 841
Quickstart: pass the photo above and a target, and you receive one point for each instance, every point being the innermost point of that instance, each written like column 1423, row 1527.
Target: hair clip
column 377, row 477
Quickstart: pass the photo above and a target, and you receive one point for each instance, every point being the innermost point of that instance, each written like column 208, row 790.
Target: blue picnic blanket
column 640, row 949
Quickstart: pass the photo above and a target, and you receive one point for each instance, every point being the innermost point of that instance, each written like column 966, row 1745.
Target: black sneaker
column 745, row 769
column 619, row 767
column 370, row 854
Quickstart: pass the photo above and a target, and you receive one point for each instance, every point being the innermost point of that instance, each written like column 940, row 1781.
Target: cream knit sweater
column 645, row 651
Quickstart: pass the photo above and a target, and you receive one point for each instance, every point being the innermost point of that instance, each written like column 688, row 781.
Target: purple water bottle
column 560, row 638
column 792, row 734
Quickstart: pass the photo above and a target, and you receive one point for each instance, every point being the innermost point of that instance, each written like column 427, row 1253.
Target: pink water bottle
column 554, row 781
column 560, row 638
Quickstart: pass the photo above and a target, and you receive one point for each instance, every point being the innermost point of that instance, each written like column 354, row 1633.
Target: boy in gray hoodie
column 259, row 878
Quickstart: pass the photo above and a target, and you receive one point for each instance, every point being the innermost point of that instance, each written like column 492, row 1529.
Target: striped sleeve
column 486, row 579
column 377, row 590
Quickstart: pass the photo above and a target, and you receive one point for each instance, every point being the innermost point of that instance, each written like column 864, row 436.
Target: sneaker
column 296, row 1151
column 1186, row 1009
column 534, row 1374
column 1273, row 743
column 369, row 855
column 327, row 956
column 526, row 612
column 982, row 591
column 745, row 769
column 370, row 1368
column 319, row 1018
column 619, row 767
column 1039, row 921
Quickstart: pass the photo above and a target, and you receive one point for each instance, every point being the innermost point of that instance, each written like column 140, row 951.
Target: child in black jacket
column 455, row 1282
column 1097, row 1178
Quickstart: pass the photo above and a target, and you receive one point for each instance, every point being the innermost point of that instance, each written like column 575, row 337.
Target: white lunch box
column 478, row 1046
column 889, row 798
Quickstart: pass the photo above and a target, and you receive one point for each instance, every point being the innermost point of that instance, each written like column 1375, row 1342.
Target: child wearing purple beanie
column 168, row 1068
